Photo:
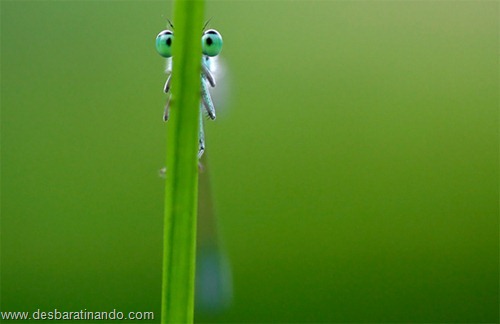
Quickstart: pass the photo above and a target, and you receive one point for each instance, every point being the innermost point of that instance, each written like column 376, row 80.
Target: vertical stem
column 179, row 249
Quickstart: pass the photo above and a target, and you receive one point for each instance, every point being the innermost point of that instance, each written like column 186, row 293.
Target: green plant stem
column 179, row 250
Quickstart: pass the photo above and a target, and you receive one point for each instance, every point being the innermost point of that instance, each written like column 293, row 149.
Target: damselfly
column 211, row 44
column 213, row 273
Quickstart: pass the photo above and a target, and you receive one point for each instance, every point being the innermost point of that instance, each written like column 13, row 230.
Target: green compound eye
column 211, row 42
column 164, row 43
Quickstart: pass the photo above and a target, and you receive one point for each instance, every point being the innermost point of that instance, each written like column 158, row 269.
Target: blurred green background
column 354, row 161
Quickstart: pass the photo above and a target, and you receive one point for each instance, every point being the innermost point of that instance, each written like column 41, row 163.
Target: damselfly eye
column 211, row 42
column 164, row 43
